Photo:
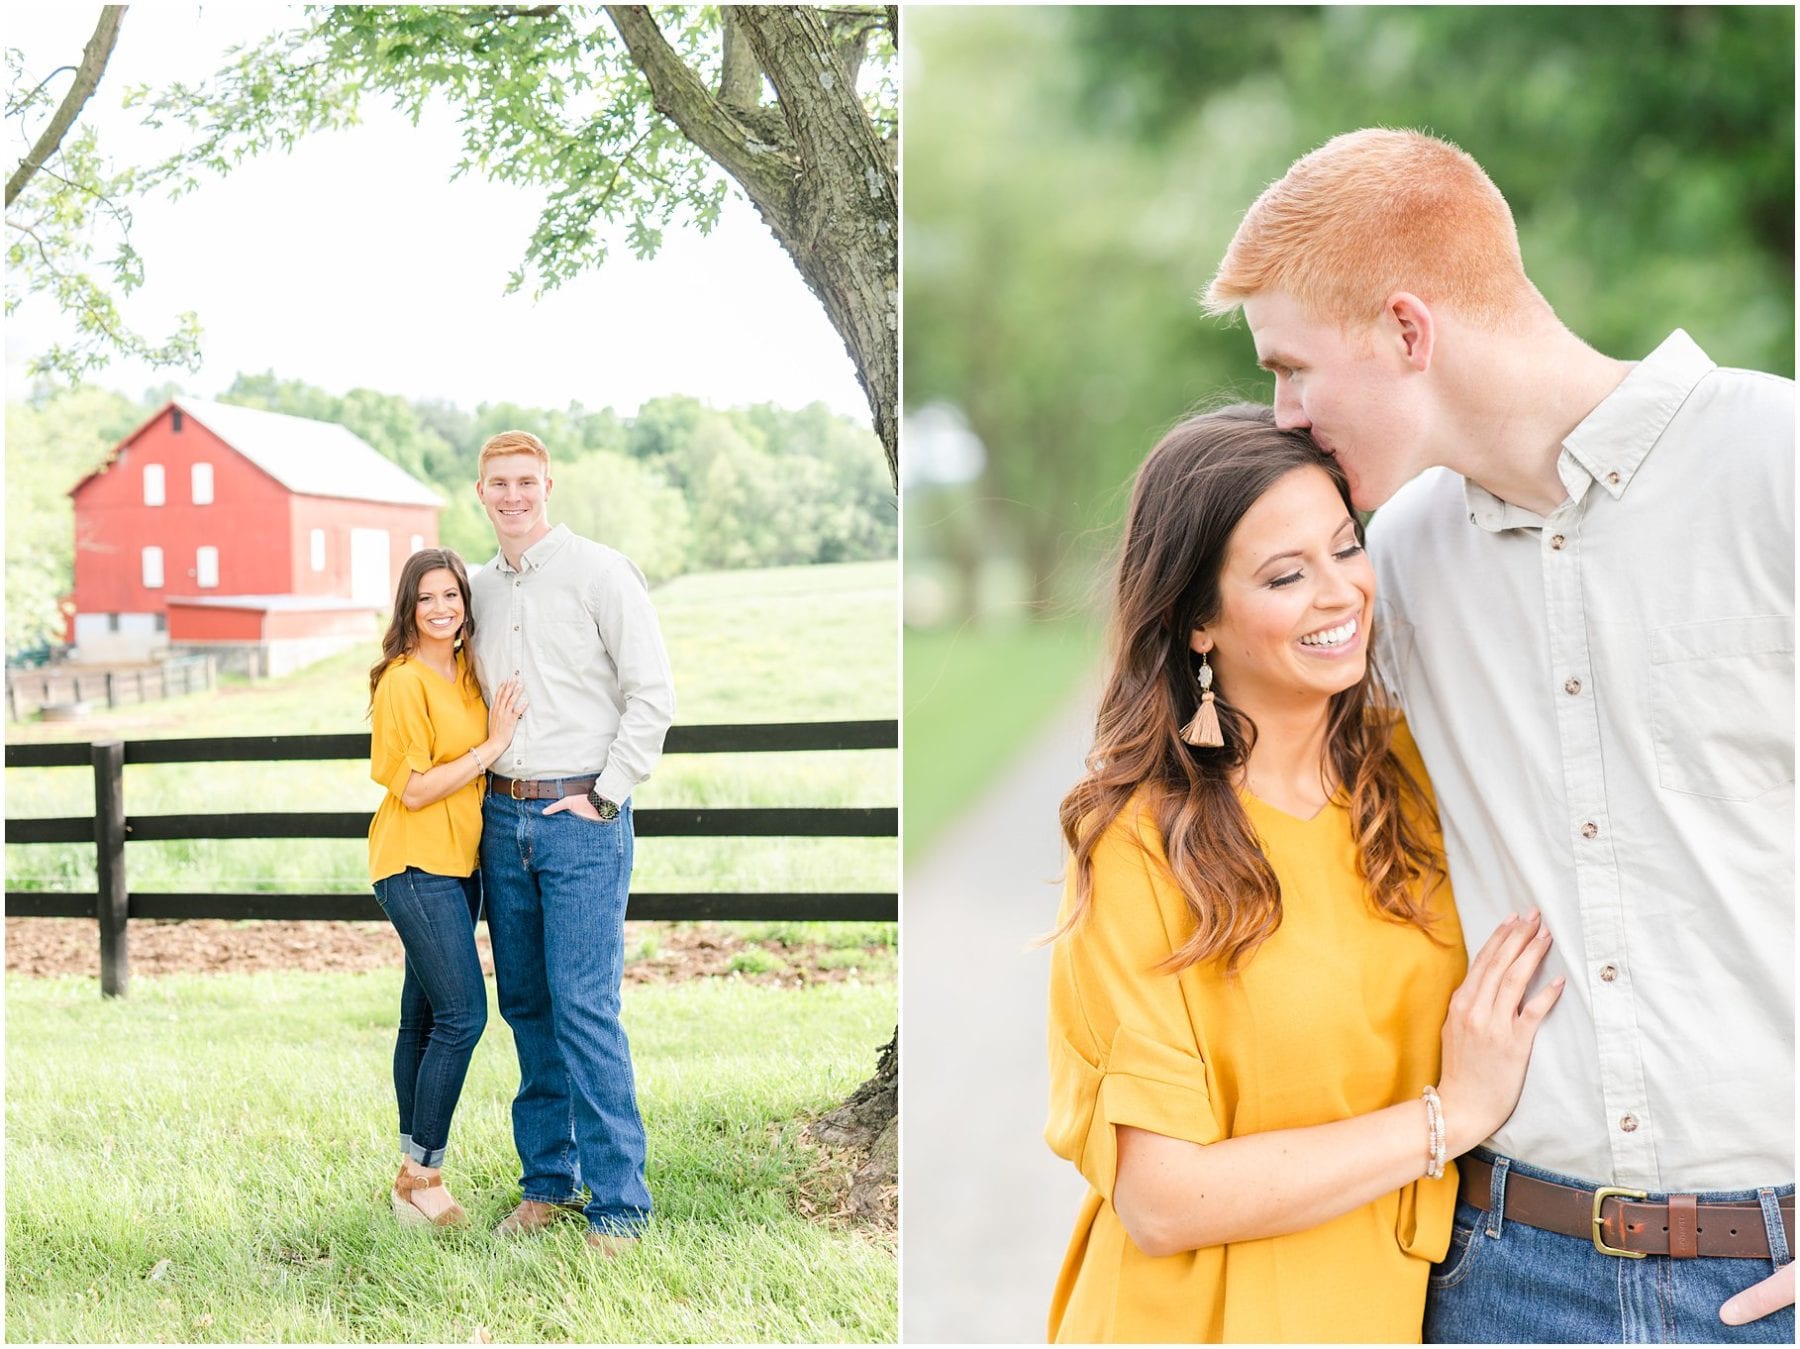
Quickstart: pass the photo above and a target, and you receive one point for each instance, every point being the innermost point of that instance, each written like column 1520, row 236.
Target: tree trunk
column 870, row 1121
column 842, row 222
column 828, row 190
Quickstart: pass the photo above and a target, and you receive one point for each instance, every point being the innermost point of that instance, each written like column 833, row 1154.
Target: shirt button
column 1608, row 973
column 1628, row 1123
column 1612, row 479
column 1571, row 686
column 1590, row 830
column 1556, row 542
column 515, row 627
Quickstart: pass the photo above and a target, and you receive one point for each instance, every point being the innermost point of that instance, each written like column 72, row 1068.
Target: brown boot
column 609, row 1245
column 530, row 1216
column 412, row 1179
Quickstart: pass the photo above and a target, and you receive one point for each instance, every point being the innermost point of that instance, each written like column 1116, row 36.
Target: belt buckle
column 1601, row 1195
column 512, row 789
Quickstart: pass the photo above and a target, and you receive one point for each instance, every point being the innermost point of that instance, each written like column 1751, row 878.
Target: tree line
column 678, row 487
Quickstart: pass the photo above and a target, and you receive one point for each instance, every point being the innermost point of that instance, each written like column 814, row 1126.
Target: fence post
column 112, row 690
column 109, row 842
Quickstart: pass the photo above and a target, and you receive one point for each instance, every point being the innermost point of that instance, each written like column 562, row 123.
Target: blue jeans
column 556, row 888
column 1505, row 1283
column 443, row 1001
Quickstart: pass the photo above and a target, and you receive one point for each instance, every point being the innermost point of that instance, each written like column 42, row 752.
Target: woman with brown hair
column 1260, row 1055
column 430, row 744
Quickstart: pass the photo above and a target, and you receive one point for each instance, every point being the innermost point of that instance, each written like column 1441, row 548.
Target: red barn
column 269, row 540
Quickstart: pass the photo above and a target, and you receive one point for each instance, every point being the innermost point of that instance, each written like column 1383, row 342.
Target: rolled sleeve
column 1422, row 1226
column 401, row 735
column 1124, row 1048
column 1144, row 1084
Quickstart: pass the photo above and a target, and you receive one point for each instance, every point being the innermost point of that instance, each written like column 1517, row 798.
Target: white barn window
column 318, row 550
column 153, row 484
column 206, row 567
column 153, row 571
column 418, row 542
column 202, row 483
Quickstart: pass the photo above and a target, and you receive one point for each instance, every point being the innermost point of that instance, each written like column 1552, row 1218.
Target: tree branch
column 850, row 32
column 37, row 88
column 87, row 78
column 740, row 78
column 90, row 311
column 678, row 94
column 119, row 212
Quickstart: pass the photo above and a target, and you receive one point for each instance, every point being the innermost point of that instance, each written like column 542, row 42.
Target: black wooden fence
column 110, row 828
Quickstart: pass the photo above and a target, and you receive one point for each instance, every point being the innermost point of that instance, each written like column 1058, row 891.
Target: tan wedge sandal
column 410, row 1214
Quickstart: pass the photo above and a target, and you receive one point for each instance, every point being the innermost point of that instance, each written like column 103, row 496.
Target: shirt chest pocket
column 569, row 634
column 1722, row 706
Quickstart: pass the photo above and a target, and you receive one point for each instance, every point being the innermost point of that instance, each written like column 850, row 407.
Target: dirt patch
column 655, row 953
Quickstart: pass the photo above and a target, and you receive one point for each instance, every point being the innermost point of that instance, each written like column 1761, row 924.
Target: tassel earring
column 1203, row 730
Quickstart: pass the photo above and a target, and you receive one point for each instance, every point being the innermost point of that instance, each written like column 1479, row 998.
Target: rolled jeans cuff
column 423, row 1156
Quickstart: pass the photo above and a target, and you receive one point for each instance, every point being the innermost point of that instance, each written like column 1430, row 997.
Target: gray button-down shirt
column 574, row 622
column 1605, row 701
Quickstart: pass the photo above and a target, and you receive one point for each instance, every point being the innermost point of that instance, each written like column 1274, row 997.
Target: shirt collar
column 1610, row 444
column 534, row 557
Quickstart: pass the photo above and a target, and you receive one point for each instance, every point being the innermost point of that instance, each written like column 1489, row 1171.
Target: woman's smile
column 1334, row 641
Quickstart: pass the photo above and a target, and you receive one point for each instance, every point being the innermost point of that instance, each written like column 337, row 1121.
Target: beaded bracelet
column 1436, row 1154
column 480, row 767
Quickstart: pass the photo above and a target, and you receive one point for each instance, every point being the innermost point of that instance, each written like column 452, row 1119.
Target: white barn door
column 370, row 580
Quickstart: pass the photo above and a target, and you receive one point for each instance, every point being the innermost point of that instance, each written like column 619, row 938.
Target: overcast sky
column 355, row 262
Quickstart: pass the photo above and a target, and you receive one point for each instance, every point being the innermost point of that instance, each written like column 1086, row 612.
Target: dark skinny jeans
column 443, row 1002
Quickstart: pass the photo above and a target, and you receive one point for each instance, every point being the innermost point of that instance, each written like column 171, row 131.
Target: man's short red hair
column 512, row 442
column 1373, row 212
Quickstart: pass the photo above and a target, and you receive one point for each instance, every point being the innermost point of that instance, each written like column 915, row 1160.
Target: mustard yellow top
column 421, row 720
column 1338, row 1014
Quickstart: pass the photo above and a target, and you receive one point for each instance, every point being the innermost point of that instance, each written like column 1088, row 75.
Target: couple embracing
column 1304, row 1111
column 510, row 720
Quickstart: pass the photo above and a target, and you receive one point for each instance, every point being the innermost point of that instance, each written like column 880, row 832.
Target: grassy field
column 207, row 1162
column 787, row 644
column 975, row 695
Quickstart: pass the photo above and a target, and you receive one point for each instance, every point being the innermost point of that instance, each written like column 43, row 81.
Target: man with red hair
column 1587, row 589
column 572, row 620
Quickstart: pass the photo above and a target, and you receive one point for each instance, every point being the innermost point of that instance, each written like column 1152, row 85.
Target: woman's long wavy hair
column 1190, row 494
column 402, row 635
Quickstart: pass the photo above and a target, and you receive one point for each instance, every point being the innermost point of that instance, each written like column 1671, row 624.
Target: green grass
column 975, row 695
column 240, row 1127
column 785, row 644
column 756, row 960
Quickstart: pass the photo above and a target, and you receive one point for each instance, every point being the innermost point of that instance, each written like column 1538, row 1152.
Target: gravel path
column 986, row 1207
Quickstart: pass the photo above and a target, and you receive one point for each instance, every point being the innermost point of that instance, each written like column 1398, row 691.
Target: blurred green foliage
column 50, row 446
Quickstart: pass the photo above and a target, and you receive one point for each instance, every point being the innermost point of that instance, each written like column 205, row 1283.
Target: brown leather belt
column 539, row 789
column 1620, row 1222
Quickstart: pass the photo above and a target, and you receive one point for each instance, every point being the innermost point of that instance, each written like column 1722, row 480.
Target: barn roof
column 310, row 457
